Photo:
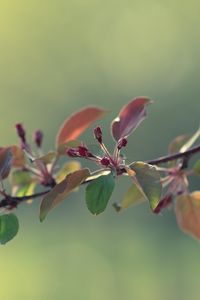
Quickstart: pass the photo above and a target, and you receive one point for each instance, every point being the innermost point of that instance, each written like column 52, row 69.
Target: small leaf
column 177, row 143
column 191, row 141
column 132, row 196
column 24, row 190
column 9, row 227
column 98, row 193
column 129, row 118
column 68, row 168
column 47, row 158
column 76, row 124
column 61, row 191
column 5, row 162
column 19, row 177
column 148, row 179
column 188, row 213
column 18, row 156
column 196, row 167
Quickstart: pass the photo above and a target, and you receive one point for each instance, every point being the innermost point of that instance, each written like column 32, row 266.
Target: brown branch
column 12, row 202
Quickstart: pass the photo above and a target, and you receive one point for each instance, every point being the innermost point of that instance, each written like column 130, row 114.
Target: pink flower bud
column 98, row 134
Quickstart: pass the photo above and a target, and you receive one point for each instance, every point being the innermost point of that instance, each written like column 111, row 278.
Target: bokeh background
column 59, row 56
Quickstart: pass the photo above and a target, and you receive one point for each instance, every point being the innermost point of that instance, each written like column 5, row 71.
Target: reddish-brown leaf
column 5, row 162
column 61, row 191
column 129, row 118
column 76, row 124
column 18, row 156
column 188, row 213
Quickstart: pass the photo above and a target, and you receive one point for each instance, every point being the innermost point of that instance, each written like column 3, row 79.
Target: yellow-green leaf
column 147, row 179
column 131, row 197
column 68, row 168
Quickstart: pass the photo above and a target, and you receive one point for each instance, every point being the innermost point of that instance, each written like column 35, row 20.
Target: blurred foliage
column 57, row 56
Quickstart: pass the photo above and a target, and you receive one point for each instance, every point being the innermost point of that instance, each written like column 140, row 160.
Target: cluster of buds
column 39, row 168
column 107, row 160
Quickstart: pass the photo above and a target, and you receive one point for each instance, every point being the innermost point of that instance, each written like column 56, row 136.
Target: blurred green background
column 58, row 56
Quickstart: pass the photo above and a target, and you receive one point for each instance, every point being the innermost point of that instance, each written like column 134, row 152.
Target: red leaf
column 129, row 118
column 76, row 124
column 188, row 213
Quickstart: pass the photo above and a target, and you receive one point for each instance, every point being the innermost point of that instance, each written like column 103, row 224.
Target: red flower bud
column 21, row 132
column 122, row 143
column 83, row 151
column 72, row 152
column 98, row 134
column 105, row 161
column 38, row 138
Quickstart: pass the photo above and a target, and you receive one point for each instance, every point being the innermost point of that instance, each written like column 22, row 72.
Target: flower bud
column 83, row 151
column 98, row 134
column 21, row 132
column 122, row 143
column 38, row 138
column 105, row 161
column 72, row 152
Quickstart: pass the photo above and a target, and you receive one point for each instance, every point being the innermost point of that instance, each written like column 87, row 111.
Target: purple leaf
column 129, row 118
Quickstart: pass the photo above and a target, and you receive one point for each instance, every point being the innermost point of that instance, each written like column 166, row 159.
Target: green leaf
column 9, row 227
column 147, row 179
column 98, row 192
column 196, row 167
column 61, row 191
column 132, row 196
column 19, row 177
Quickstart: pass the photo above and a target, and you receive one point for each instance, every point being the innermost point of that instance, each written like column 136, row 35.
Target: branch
column 187, row 154
column 12, row 202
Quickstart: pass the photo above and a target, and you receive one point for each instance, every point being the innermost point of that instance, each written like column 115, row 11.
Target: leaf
column 196, row 167
column 19, row 177
column 177, row 143
column 98, row 193
column 61, row 191
column 76, row 124
column 191, row 141
column 132, row 196
column 5, row 162
column 97, row 174
column 23, row 184
column 129, row 118
column 148, row 180
column 61, row 149
column 18, row 156
column 68, row 168
column 9, row 227
column 47, row 158
column 188, row 213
